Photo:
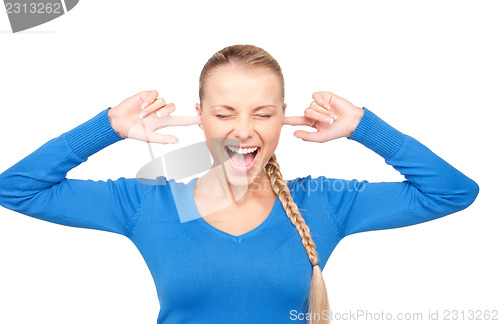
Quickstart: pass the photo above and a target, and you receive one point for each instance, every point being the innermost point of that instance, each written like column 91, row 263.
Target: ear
column 198, row 112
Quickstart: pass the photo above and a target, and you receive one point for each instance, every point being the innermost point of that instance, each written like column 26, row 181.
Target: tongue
column 242, row 159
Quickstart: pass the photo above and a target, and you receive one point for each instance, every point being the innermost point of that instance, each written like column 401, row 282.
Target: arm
column 37, row 185
column 432, row 189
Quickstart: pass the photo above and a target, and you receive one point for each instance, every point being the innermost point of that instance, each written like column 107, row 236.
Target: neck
column 216, row 185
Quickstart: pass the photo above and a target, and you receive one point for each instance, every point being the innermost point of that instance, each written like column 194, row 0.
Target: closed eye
column 227, row 116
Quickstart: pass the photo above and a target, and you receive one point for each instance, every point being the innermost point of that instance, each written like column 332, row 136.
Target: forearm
column 50, row 163
column 433, row 188
column 439, row 182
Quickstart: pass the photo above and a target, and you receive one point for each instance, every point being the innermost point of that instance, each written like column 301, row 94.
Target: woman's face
column 242, row 108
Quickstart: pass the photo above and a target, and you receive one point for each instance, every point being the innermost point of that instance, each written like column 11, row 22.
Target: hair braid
column 282, row 191
column 253, row 56
column 317, row 298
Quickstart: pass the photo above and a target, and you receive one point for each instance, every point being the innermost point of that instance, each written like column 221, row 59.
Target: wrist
column 114, row 123
column 356, row 118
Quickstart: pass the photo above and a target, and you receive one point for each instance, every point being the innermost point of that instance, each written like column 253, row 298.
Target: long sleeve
column 37, row 185
column 432, row 189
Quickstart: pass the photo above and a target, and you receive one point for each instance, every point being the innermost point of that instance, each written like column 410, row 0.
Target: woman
column 238, row 260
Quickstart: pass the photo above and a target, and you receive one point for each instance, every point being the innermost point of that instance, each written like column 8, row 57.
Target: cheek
column 271, row 134
column 215, row 134
column 210, row 129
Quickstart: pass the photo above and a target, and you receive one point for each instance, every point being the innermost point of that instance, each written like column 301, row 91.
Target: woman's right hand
column 139, row 117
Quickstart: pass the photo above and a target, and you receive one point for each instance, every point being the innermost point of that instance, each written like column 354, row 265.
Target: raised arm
column 37, row 185
column 432, row 189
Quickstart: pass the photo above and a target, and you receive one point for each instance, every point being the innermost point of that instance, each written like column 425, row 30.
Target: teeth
column 242, row 151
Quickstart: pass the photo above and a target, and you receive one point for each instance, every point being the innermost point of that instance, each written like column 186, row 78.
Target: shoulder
column 320, row 183
column 309, row 186
column 305, row 187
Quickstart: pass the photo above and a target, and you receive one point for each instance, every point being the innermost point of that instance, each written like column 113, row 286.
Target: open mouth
column 242, row 160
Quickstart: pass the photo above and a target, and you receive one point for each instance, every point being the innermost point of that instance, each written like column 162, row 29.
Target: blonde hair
column 252, row 56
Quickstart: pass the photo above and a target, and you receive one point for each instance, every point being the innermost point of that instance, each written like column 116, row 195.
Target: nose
column 243, row 129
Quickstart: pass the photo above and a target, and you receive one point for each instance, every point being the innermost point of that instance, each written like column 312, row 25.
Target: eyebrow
column 231, row 108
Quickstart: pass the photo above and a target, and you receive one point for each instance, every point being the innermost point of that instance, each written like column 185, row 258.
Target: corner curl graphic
column 25, row 14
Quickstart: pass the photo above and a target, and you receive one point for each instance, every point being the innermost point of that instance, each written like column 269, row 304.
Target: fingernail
column 158, row 113
column 144, row 105
column 327, row 106
column 329, row 120
column 142, row 114
column 333, row 116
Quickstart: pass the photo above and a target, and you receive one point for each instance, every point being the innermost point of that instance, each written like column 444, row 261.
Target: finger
column 297, row 121
column 313, row 114
column 148, row 97
column 323, row 110
column 154, row 137
column 324, row 99
column 157, row 104
column 318, row 108
column 309, row 136
column 179, row 121
column 165, row 111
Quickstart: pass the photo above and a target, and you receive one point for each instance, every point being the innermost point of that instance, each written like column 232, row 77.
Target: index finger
column 297, row 120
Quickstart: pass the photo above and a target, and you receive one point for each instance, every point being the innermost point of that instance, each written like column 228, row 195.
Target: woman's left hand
column 344, row 117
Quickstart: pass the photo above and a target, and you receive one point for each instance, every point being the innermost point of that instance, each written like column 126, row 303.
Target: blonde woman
column 255, row 246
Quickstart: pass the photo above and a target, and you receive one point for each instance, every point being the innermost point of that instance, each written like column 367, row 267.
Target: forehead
column 242, row 85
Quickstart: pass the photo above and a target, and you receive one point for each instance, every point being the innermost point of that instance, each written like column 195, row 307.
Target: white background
column 428, row 68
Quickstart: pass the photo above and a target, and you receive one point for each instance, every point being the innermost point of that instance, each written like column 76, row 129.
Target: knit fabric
column 205, row 275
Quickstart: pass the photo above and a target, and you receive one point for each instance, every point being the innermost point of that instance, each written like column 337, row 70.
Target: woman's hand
column 139, row 117
column 333, row 117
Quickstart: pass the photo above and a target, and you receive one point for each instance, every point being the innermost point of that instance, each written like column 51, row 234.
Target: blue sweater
column 204, row 275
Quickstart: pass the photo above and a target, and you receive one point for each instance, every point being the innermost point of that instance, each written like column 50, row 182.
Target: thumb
column 323, row 98
column 306, row 136
column 155, row 137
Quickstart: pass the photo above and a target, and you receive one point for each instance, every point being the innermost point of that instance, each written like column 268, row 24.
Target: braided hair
column 253, row 56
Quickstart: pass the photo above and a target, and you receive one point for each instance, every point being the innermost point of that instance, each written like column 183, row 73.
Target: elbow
column 2, row 190
column 5, row 180
column 9, row 196
column 466, row 196
column 461, row 197
column 471, row 193
column 4, row 197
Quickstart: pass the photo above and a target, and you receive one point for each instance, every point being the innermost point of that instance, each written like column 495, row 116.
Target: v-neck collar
column 237, row 238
